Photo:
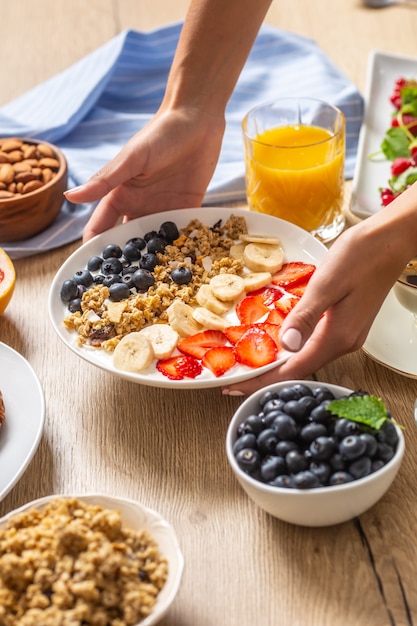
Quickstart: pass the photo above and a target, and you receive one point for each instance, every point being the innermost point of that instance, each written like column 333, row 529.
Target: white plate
column 25, row 413
column 136, row 516
column 392, row 340
column 298, row 245
column 383, row 70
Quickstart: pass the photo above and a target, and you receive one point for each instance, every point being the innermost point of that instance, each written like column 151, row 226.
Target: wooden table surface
column 166, row 447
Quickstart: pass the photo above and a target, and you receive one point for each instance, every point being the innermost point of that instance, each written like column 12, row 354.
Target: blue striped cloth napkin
column 91, row 109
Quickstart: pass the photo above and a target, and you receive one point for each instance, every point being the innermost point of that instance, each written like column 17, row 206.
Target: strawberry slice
column 286, row 305
column 273, row 331
column 251, row 309
column 256, row 348
column 219, row 360
column 198, row 344
column 179, row 367
column 293, row 273
column 234, row 333
column 298, row 290
column 268, row 294
column 275, row 317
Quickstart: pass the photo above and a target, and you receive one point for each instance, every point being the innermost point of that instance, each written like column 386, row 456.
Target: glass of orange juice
column 294, row 155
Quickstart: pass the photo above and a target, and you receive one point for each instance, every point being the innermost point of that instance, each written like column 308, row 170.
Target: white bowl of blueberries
column 312, row 453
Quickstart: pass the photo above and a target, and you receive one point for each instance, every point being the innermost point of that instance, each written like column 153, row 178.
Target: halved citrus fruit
column 7, row 280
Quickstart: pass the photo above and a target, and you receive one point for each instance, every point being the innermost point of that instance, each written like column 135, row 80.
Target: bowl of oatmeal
column 77, row 558
column 192, row 298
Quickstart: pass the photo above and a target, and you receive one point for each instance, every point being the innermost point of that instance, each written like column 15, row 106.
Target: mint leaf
column 395, row 144
column 409, row 100
column 368, row 410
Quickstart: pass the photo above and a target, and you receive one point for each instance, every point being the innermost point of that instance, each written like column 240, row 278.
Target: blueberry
column 252, row 424
column 320, row 413
column 385, row 452
column 388, row 434
column 267, row 396
column 296, row 461
column 360, row 467
column 111, row 279
column 311, row 431
column 150, row 235
column 376, row 465
column 182, row 275
column 94, row 263
column 322, row 393
column 337, row 462
column 127, row 280
column 273, row 404
column 283, row 447
column 340, row 478
column 118, row 292
column 322, row 470
column 98, row 279
column 267, row 440
column 270, row 417
column 148, row 261
column 138, row 242
column 296, row 410
column 131, row 252
column 352, row 447
column 247, row 440
column 156, row 244
column 143, row 279
column 81, row 289
column 285, row 427
column 290, row 393
column 305, row 480
column 112, row 250
column 69, row 290
column 271, row 467
column 111, row 265
column 169, row 231
column 322, row 448
column 371, row 444
column 74, row 306
column 302, row 390
column 83, row 277
column 248, row 460
column 344, row 427
column 282, row 481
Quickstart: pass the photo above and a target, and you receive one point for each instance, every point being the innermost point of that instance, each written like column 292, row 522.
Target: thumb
column 300, row 323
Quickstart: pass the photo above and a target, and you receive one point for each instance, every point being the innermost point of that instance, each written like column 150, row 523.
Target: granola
column 204, row 249
column 2, row 411
column 77, row 564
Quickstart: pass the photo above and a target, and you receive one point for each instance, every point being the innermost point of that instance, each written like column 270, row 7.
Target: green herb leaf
column 405, row 179
column 368, row 410
column 395, row 144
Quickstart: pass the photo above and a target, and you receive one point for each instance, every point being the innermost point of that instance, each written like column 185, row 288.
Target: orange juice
column 296, row 172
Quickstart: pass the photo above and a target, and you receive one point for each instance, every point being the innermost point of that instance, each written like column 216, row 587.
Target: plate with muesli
column 191, row 298
column 22, row 416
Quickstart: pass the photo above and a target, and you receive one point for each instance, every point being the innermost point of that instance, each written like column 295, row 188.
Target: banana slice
column 263, row 257
column 163, row 339
column 208, row 319
column 256, row 280
column 205, row 298
column 276, row 241
column 227, row 287
column 180, row 317
column 133, row 353
column 236, row 251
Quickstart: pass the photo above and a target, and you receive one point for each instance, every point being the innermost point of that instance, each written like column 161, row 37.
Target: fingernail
column 232, row 392
column 292, row 339
column 74, row 189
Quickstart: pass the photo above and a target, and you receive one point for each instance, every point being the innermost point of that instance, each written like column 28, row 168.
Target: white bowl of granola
column 105, row 555
column 220, row 273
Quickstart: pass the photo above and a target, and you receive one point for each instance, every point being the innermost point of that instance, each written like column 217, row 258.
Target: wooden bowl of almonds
column 33, row 178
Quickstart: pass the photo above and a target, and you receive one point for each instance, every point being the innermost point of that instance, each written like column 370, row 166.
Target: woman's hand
column 167, row 165
column 345, row 293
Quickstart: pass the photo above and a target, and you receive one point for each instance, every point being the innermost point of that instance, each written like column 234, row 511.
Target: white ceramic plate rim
column 392, row 340
column 136, row 516
column 298, row 245
column 382, row 71
column 25, row 414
